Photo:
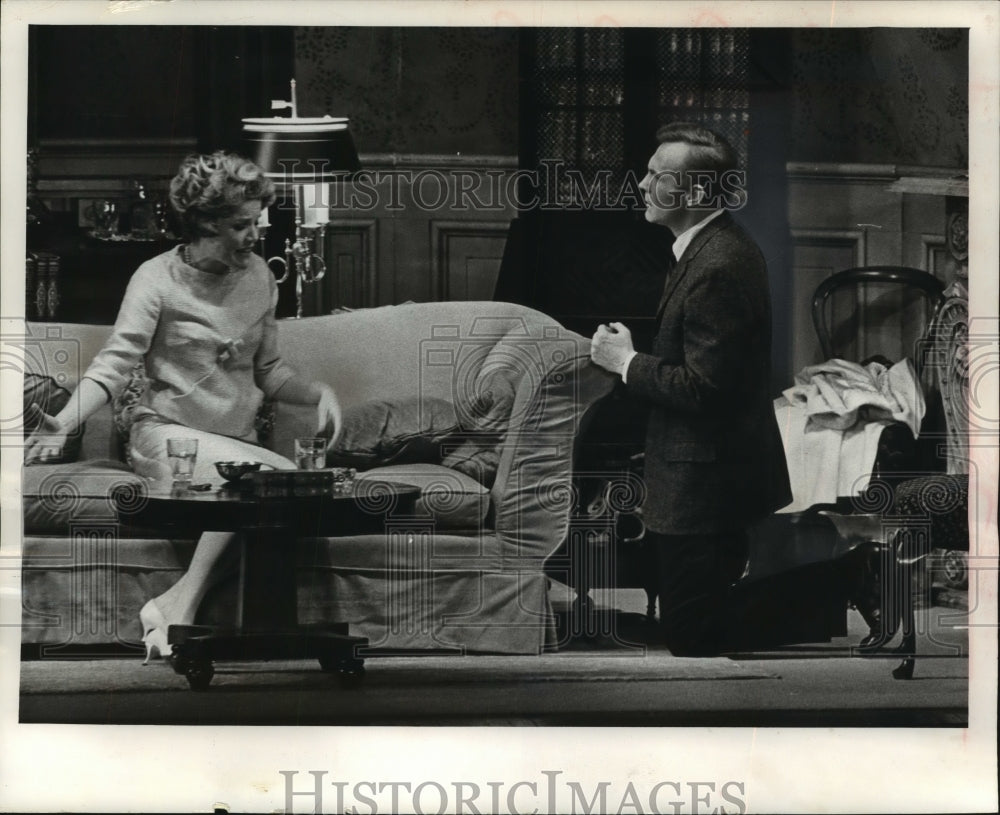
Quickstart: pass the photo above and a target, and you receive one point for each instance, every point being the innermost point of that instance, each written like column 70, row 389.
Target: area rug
column 130, row 675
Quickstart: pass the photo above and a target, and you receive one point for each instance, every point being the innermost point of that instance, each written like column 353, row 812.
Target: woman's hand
column 300, row 391
column 48, row 439
column 329, row 418
column 155, row 471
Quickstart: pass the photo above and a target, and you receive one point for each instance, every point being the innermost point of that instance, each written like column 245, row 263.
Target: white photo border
column 158, row 768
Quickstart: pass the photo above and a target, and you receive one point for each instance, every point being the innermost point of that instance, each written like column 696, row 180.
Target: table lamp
column 303, row 155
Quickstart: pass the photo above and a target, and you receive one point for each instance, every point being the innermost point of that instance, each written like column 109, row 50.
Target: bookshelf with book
column 72, row 277
column 42, row 286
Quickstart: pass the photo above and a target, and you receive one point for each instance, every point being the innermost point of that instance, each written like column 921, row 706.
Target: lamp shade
column 302, row 150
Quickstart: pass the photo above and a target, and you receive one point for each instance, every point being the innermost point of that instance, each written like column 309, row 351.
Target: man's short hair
column 709, row 150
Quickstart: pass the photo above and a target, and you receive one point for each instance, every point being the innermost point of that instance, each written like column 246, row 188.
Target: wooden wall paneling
column 933, row 255
column 880, row 218
column 410, row 265
column 466, row 257
column 845, row 215
column 69, row 167
column 923, row 219
column 889, row 316
column 816, row 254
column 410, row 197
column 352, row 268
column 408, row 222
column 366, row 217
column 850, row 204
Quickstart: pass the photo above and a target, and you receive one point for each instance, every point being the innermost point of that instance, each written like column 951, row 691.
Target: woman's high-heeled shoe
column 156, row 644
column 154, row 632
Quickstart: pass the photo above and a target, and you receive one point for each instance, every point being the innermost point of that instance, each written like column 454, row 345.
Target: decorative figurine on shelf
column 104, row 215
column 161, row 218
column 142, row 216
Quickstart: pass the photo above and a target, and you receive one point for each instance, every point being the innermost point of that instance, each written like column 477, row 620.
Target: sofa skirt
column 86, row 591
column 460, row 611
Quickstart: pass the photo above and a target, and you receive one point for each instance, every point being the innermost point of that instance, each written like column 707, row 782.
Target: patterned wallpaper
column 875, row 95
column 413, row 90
column 880, row 95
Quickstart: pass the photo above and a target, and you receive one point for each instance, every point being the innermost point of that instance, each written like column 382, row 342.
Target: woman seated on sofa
column 201, row 318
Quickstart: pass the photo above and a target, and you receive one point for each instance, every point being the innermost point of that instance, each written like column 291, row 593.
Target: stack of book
column 292, row 483
column 41, row 286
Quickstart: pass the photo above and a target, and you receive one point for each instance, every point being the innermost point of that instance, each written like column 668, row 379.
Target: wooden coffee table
column 267, row 624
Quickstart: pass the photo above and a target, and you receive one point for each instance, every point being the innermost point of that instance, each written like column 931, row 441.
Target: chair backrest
column 946, row 357
column 871, row 310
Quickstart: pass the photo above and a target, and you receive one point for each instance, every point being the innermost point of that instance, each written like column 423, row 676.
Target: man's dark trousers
column 695, row 576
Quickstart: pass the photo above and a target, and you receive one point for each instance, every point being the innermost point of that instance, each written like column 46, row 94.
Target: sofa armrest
column 533, row 494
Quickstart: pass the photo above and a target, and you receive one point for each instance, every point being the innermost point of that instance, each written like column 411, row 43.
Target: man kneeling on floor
column 714, row 460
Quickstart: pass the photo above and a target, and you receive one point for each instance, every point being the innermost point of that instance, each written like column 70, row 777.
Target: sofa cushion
column 55, row 496
column 50, row 397
column 485, row 417
column 454, row 500
column 474, row 458
column 382, row 432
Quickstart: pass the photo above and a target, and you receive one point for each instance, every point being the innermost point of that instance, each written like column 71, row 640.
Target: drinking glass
column 310, row 453
column 183, row 453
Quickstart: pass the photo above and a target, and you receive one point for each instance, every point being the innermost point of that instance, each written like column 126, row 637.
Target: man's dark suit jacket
column 714, row 457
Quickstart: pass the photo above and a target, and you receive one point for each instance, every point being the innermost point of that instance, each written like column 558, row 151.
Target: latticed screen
column 588, row 85
column 580, row 89
column 703, row 78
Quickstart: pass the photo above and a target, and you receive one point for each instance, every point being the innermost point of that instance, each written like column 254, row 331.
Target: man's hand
column 611, row 346
column 48, row 439
column 329, row 417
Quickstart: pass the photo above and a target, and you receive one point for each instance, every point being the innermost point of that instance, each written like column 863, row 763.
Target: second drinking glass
column 310, row 453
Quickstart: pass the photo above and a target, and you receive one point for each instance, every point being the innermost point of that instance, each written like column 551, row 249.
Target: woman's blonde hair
column 213, row 186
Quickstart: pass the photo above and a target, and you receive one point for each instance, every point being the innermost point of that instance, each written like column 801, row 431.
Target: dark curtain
column 766, row 212
column 155, row 82
column 239, row 70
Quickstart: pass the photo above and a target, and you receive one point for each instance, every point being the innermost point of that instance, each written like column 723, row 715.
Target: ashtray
column 235, row 470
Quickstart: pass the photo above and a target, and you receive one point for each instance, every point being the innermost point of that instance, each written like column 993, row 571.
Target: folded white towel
column 837, row 393
column 831, row 421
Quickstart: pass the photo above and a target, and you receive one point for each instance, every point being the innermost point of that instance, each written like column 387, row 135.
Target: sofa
column 468, row 577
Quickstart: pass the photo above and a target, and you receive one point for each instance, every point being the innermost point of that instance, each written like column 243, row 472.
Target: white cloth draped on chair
column 831, row 420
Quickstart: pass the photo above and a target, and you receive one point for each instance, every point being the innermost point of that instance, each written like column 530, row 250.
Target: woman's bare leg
column 180, row 602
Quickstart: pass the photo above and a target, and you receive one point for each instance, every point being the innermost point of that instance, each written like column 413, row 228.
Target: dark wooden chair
column 886, row 313
column 875, row 295
column 806, row 569
column 922, row 503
